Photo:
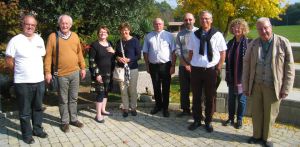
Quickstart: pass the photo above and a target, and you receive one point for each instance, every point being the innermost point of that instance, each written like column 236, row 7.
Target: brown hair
column 104, row 27
column 124, row 25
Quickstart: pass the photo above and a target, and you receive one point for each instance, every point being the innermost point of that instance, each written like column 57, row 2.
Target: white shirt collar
column 67, row 36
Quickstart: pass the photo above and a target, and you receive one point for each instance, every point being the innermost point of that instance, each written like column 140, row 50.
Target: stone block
column 221, row 105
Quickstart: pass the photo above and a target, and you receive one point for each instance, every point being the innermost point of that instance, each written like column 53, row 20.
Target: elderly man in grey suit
column 268, row 76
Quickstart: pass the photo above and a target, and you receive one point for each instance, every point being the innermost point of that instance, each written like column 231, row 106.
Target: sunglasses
column 188, row 19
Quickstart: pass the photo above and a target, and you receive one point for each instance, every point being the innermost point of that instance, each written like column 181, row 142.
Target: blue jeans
column 242, row 100
column 30, row 98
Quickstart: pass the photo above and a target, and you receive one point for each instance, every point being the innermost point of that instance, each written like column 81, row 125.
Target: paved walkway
column 142, row 130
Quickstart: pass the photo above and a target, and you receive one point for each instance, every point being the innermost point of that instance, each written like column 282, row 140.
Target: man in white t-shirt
column 207, row 54
column 24, row 55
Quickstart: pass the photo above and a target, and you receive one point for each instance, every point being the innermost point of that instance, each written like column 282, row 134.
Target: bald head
column 189, row 21
column 158, row 24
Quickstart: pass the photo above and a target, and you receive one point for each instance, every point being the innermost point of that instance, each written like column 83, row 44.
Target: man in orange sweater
column 70, row 65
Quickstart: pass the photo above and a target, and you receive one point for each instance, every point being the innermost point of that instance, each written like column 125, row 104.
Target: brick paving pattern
column 141, row 130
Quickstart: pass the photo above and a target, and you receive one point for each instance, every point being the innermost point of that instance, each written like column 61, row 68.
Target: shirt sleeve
column 178, row 45
column 42, row 47
column 146, row 44
column 10, row 49
column 222, row 43
column 191, row 43
column 173, row 43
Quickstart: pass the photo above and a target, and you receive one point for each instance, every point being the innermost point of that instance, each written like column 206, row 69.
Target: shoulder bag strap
column 57, row 54
column 122, row 49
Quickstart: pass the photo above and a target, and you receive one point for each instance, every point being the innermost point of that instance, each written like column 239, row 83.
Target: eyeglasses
column 27, row 25
column 188, row 19
column 102, row 32
column 263, row 28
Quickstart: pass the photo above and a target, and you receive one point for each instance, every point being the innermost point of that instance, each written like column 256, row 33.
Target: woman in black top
column 132, row 52
column 101, row 55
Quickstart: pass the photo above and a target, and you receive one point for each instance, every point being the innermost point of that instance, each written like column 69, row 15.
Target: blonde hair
column 242, row 23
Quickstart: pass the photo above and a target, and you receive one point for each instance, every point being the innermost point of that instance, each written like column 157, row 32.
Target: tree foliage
column 290, row 17
column 226, row 10
column 9, row 21
column 89, row 14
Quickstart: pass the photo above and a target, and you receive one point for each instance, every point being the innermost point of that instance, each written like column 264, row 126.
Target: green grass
column 291, row 32
column 175, row 90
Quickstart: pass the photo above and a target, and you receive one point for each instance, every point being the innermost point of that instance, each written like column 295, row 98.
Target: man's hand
column 82, row 74
column 218, row 71
column 282, row 95
column 172, row 70
column 246, row 93
column 10, row 63
column 48, row 78
column 188, row 68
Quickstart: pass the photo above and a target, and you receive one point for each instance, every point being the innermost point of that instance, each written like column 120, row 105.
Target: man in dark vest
column 207, row 49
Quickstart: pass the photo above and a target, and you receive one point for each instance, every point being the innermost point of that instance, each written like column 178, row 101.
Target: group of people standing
column 261, row 70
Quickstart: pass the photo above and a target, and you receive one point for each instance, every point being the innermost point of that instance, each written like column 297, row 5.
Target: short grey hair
column 158, row 19
column 263, row 20
column 65, row 15
column 207, row 12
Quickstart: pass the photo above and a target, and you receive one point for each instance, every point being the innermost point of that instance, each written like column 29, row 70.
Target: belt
column 205, row 68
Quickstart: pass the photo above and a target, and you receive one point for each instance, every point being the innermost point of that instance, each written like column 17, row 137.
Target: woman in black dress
column 100, row 58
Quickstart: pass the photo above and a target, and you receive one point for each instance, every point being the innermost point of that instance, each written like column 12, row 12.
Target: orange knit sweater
column 70, row 55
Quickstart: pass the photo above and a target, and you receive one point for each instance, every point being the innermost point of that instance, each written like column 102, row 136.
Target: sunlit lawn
column 291, row 32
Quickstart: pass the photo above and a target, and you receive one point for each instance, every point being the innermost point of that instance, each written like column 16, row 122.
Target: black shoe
column 166, row 113
column 77, row 124
column 41, row 135
column 253, row 140
column 239, row 124
column 125, row 113
column 155, row 110
column 99, row 121
column 184, row 113
column 65, row 128
column 194, row 125
column 267, row 143
column 133, row 112
column 228, row 122
column 209, row 128
column 29, row 140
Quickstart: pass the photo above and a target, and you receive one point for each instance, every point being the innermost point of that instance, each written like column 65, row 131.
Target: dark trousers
column 184, row 81
column 161, row 79
column 242, row 100
column 30, row 98
column 203, row 78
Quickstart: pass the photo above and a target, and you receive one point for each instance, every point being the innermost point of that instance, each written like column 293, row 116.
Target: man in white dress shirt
column 207, row 54
column 159, row 56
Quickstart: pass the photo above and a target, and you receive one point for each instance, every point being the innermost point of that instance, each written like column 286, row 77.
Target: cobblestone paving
column 141, row 130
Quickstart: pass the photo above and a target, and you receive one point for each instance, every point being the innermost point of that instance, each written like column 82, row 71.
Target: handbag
column 119, row 72
column 54, row 80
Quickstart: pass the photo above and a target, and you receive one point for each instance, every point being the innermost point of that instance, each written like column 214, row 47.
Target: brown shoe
column 77, row 124
column 65, row 128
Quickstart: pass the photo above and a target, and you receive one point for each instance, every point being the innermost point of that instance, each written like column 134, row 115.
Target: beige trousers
column 129, row 93
column 265, row 108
